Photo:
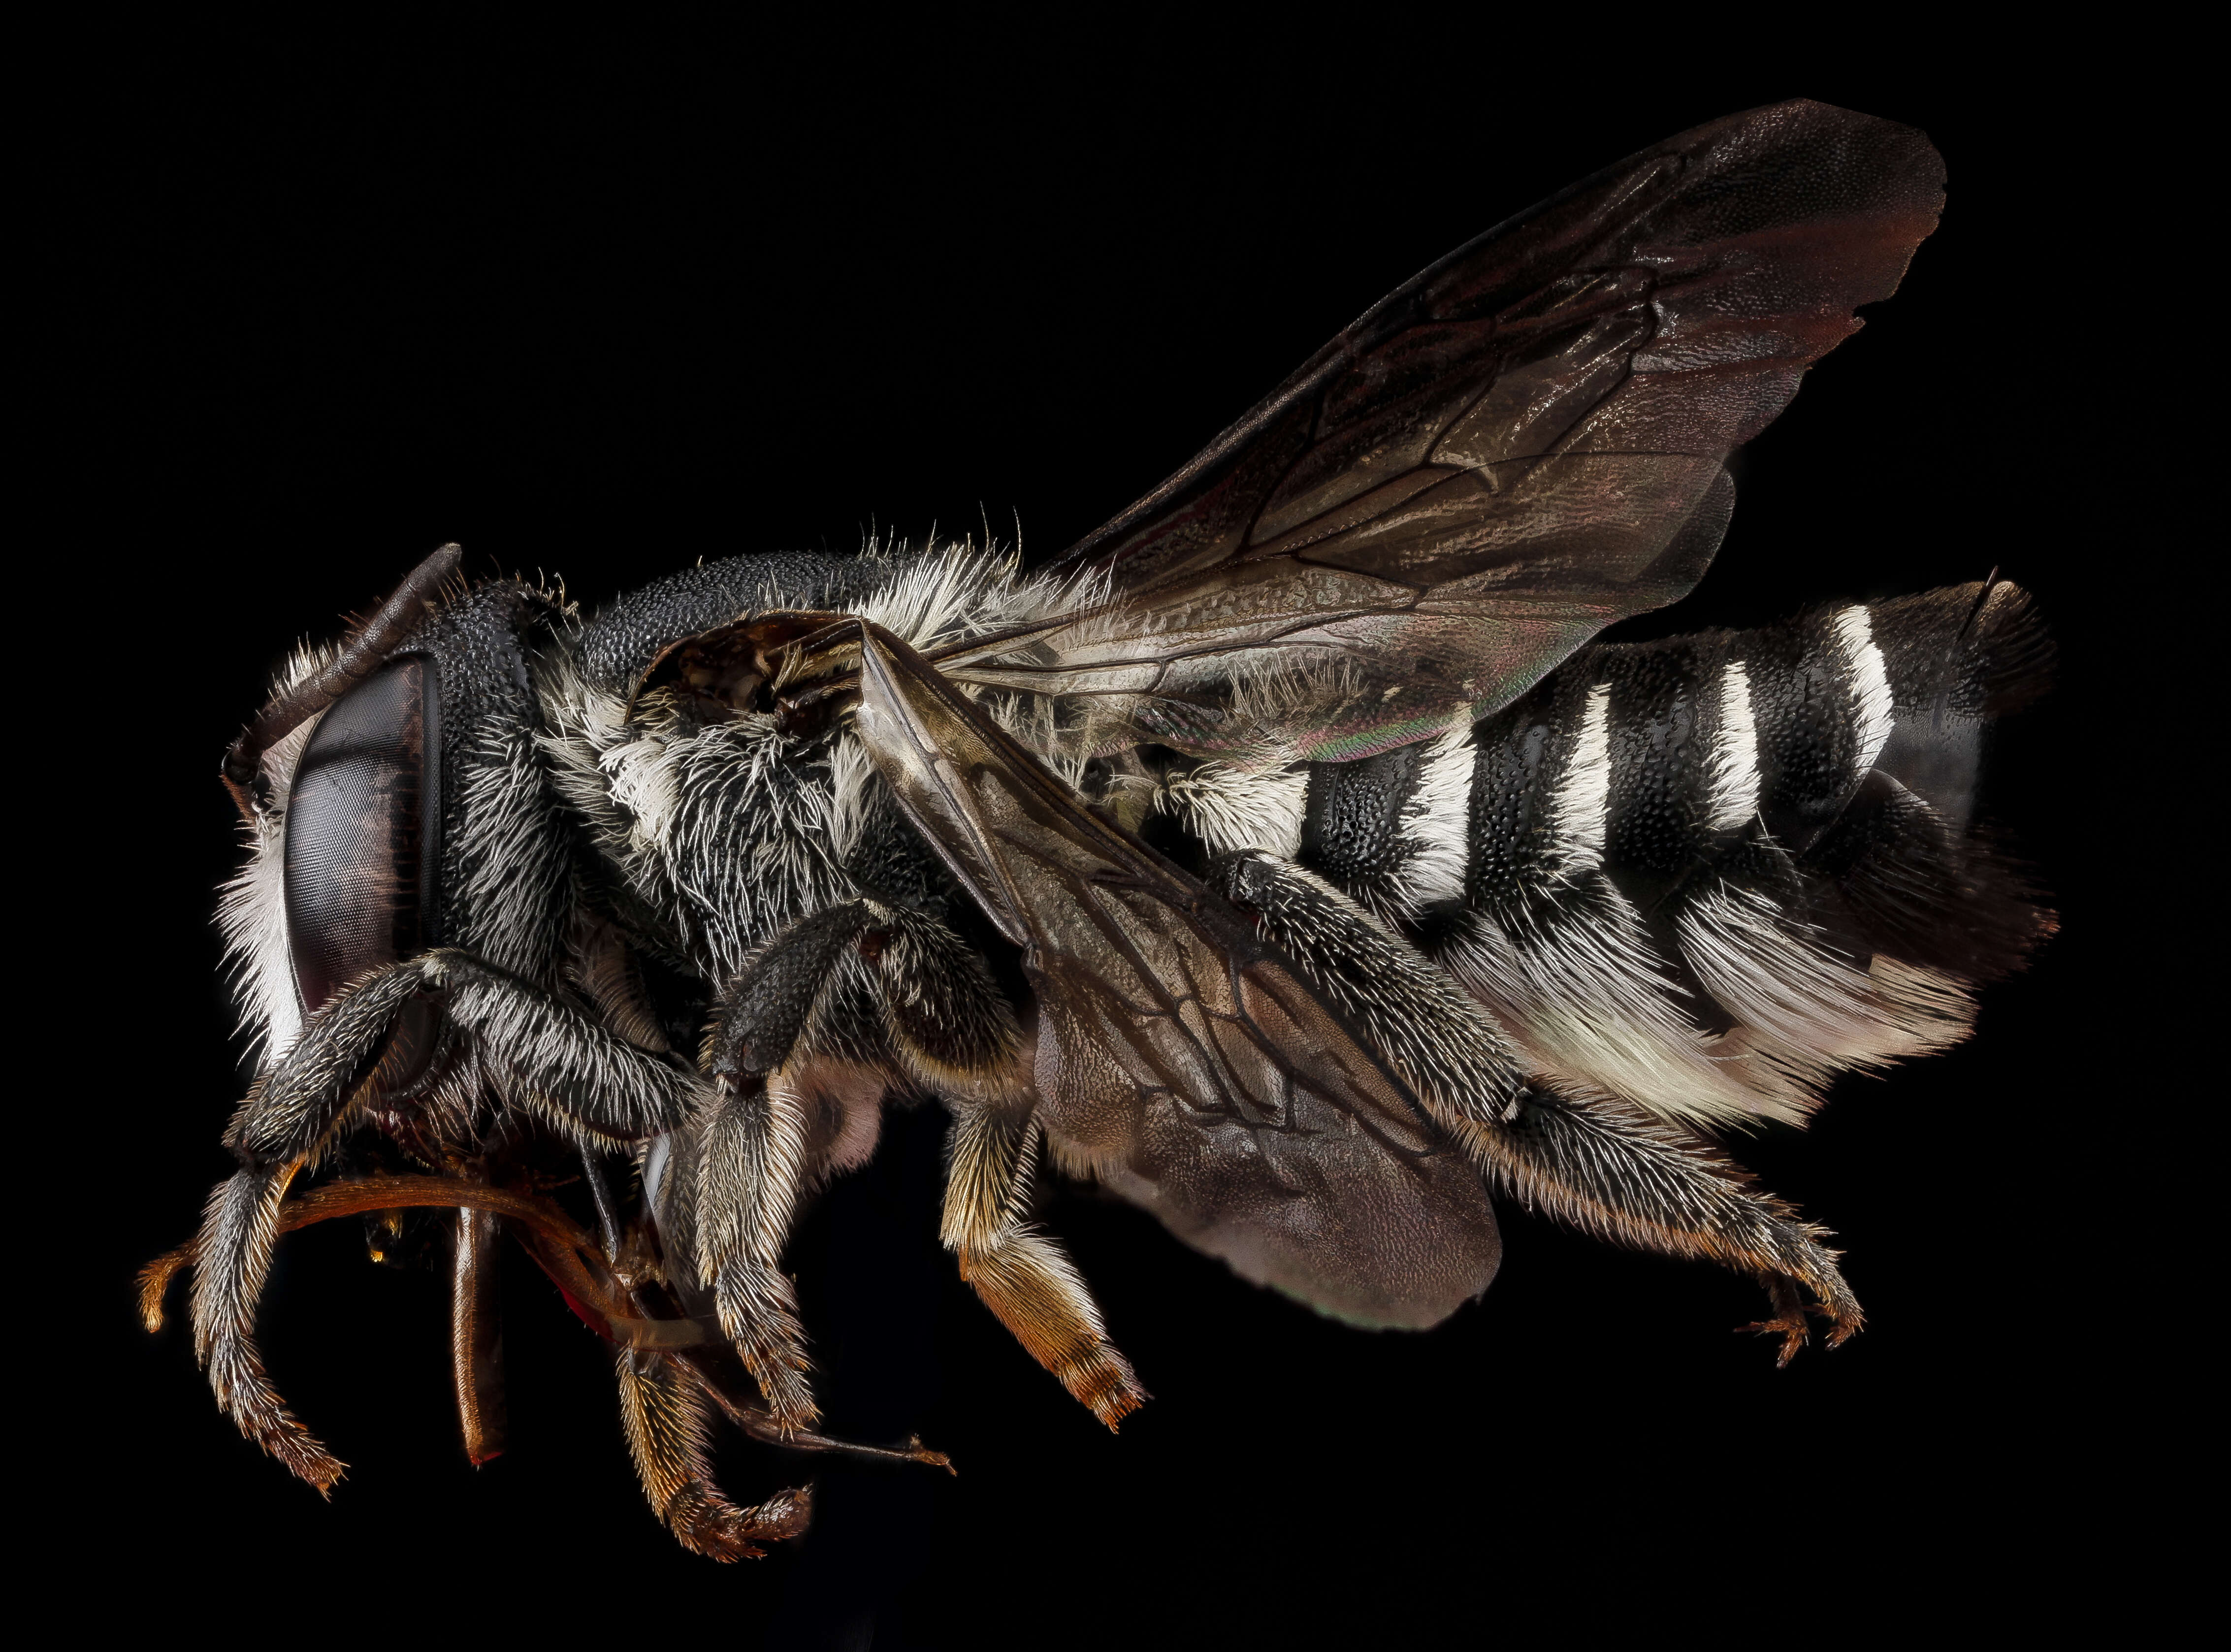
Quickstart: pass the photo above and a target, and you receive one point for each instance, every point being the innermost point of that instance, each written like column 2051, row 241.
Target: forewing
column 1512, row 451
column 1194, row 1070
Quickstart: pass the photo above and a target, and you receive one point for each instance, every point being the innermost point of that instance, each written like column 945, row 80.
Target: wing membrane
column 1512, row 451
column 1192, row 1068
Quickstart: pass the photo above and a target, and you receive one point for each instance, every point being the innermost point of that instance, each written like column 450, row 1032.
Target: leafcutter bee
column 1284, row 857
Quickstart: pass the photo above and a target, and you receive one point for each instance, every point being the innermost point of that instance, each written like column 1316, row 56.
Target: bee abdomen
column 1390, row 830
column 1706, row 873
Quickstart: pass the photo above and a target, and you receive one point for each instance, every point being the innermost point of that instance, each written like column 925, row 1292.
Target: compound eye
column 361, row 840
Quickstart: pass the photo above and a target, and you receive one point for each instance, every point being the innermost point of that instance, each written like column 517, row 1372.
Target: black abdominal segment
column 1825, row 768
column 1352, row 830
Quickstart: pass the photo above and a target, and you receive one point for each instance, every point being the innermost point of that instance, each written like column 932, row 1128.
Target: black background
column 601, row 306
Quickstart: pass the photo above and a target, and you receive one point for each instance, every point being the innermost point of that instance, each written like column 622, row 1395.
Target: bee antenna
column 359, row 659
column 1983, row 601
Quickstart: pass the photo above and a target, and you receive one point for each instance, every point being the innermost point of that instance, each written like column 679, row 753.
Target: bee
column 1286, row 857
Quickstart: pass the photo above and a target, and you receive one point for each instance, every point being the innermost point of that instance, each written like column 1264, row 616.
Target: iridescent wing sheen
column 1511, row 452
column 1189, row 1066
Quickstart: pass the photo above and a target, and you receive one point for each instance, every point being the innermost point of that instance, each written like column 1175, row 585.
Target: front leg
column 295, row 1109
column 565, row 1065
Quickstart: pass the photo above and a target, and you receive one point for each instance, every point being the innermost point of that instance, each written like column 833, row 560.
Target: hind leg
column 665, row 1415
column 1595, row 1164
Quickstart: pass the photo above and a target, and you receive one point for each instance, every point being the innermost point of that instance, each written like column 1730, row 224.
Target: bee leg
column 1788, row 1322
column 595, row 1086
column 954, row 1030
column 752, row 1150
column 1021, row 1274
column 750, row 1173
column 1609, row 1170
column 665, row 1415
column 233, row 1260
column 584, row 1078
column 295, row 1109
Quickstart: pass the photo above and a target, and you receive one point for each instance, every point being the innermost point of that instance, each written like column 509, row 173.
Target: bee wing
column 1521, row 445
column 1188, row 1066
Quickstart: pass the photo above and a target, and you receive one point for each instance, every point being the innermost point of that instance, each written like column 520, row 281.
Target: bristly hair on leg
column 666, row 1417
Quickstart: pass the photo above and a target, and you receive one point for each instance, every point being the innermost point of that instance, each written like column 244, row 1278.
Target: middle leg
column 1021, row 1274
column 958, row 1034
column 665, row 1415
column 753, row 1150
column 947, row 1026
column 952, row 1028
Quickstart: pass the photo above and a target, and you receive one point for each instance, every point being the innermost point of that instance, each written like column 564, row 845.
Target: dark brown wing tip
column 1798, row 157
column 1839, row 163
